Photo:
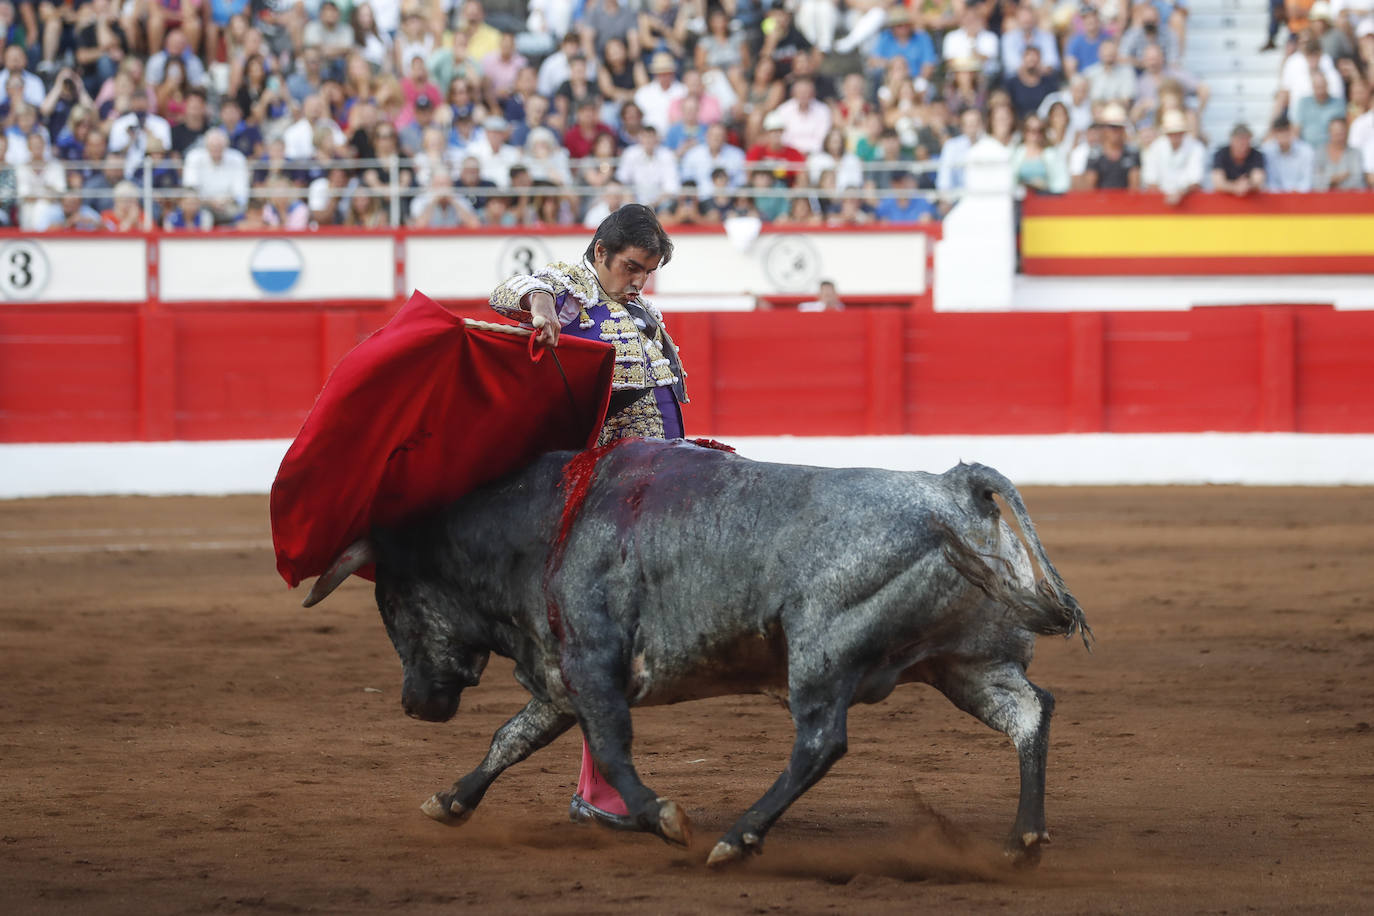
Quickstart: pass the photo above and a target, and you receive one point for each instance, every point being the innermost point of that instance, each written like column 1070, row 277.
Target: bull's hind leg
column 999, row 695
column 596, row 688
column 526, row 732
column 820, row 709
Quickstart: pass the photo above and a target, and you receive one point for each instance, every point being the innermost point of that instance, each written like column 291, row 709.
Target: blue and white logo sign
column 276, row 265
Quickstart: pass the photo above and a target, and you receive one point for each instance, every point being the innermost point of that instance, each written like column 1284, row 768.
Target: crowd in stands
column 443, row 113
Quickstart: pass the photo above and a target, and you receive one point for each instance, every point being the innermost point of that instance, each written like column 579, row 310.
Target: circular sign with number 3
column 522, row 256
column 23, row 271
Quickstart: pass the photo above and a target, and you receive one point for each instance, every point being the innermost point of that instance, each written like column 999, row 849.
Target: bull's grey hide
column 654, row 572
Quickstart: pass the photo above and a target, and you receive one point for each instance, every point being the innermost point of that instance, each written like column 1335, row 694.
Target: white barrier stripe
column 257, row 544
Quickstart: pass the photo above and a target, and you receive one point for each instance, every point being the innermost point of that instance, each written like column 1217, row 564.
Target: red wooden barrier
column 157, row 372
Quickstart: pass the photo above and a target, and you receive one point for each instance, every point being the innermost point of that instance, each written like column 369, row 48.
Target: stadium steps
column 1224, row 37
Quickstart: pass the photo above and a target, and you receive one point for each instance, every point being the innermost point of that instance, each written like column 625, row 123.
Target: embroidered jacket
column 646, row 358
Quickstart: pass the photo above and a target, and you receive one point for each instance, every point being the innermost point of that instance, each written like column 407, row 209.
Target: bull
column 648, row 572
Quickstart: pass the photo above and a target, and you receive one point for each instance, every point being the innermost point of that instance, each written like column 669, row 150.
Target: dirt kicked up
column 178, row 735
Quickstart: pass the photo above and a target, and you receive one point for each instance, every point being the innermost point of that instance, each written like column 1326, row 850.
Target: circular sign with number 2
column 23, row 270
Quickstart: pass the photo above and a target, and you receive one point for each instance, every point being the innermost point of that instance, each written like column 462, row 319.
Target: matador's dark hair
column 632, row 226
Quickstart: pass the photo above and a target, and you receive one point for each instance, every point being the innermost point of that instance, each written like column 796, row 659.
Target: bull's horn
column 355, row 557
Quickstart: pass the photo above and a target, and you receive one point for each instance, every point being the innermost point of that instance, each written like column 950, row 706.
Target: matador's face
column 624, row 274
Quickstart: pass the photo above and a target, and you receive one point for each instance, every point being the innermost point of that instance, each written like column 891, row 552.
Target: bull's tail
column 1050, row 609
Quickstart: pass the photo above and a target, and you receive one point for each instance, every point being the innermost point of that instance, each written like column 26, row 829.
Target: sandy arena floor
column 178, row 735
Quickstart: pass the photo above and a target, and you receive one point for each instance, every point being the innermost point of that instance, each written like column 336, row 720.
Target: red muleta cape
column 425, row 410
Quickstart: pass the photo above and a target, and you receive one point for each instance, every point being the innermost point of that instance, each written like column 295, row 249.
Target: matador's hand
column 545, row 318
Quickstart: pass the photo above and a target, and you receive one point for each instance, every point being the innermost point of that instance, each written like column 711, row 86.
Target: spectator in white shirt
column 300, row 136
column 15, row 61
column 954, row 154
column 655, row 96
column 1175, row 162
column 972, row 39
column 130, row 132
column 649, row 170
column 1295, row 80
column 219, row 174
column 495, row 154
column 805, row 120
column 701, row 160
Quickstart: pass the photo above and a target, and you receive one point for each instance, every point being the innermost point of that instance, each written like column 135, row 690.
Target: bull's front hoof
column 673, row 824
column 1025, row 850
column 725, row 852
column 452, row 814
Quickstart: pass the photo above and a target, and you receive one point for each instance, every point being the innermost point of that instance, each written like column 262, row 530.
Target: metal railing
column 398, row 183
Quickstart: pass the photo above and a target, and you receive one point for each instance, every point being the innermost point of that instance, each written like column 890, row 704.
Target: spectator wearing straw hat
column 1238, row 168
column 972, row 40
column 1114, row 165
column 1175, row 162
column 655, row 97
column 1335, row 42
column 902, row 38
column 1288, row 160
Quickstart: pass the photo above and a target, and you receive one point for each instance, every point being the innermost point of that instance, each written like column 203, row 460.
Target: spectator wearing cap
column 607, row 20
column 1336, row 165
column 1295, row 79
column 972, row 40
column 1110, row 80
column 1115, row 165
column 219, row 174
column 783, row 162
column 1288, row 161
column 1335, row 42
column 702, row 161
column 587, row 126
column 411, row 136
column 1024, row 33
column 902, row 38
column 649, row 170
column 805, row 120
column 1081, row 50
column 1175, row 162
column 1238, row 168
column 655, row 97
column 1030, row 84
column 1318, row 110
column 496, row 155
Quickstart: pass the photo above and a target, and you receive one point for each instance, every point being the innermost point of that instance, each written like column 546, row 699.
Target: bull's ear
column 355, row 557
